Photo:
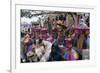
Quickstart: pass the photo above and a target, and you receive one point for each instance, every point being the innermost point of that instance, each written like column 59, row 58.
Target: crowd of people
column 57, row 42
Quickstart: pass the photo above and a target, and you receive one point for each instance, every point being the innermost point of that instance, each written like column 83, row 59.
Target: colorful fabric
column 73, row 55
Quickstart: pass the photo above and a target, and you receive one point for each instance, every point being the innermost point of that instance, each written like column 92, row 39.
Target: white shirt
column 46, row 50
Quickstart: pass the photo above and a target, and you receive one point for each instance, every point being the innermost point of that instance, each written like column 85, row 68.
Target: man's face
column 69, row 45
column 60, row 34
column 76, row 31
column 87, row 32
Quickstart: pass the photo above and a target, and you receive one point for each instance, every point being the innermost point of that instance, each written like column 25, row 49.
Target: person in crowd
column 87, row 39
column 83, row 24
column 43, row 50
column 71, row 52
column 49, row 25
column 60, row 36
column 58, row 44
column 75, row 37
column 31, row 55
column 55, row 54
column 27, row 41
